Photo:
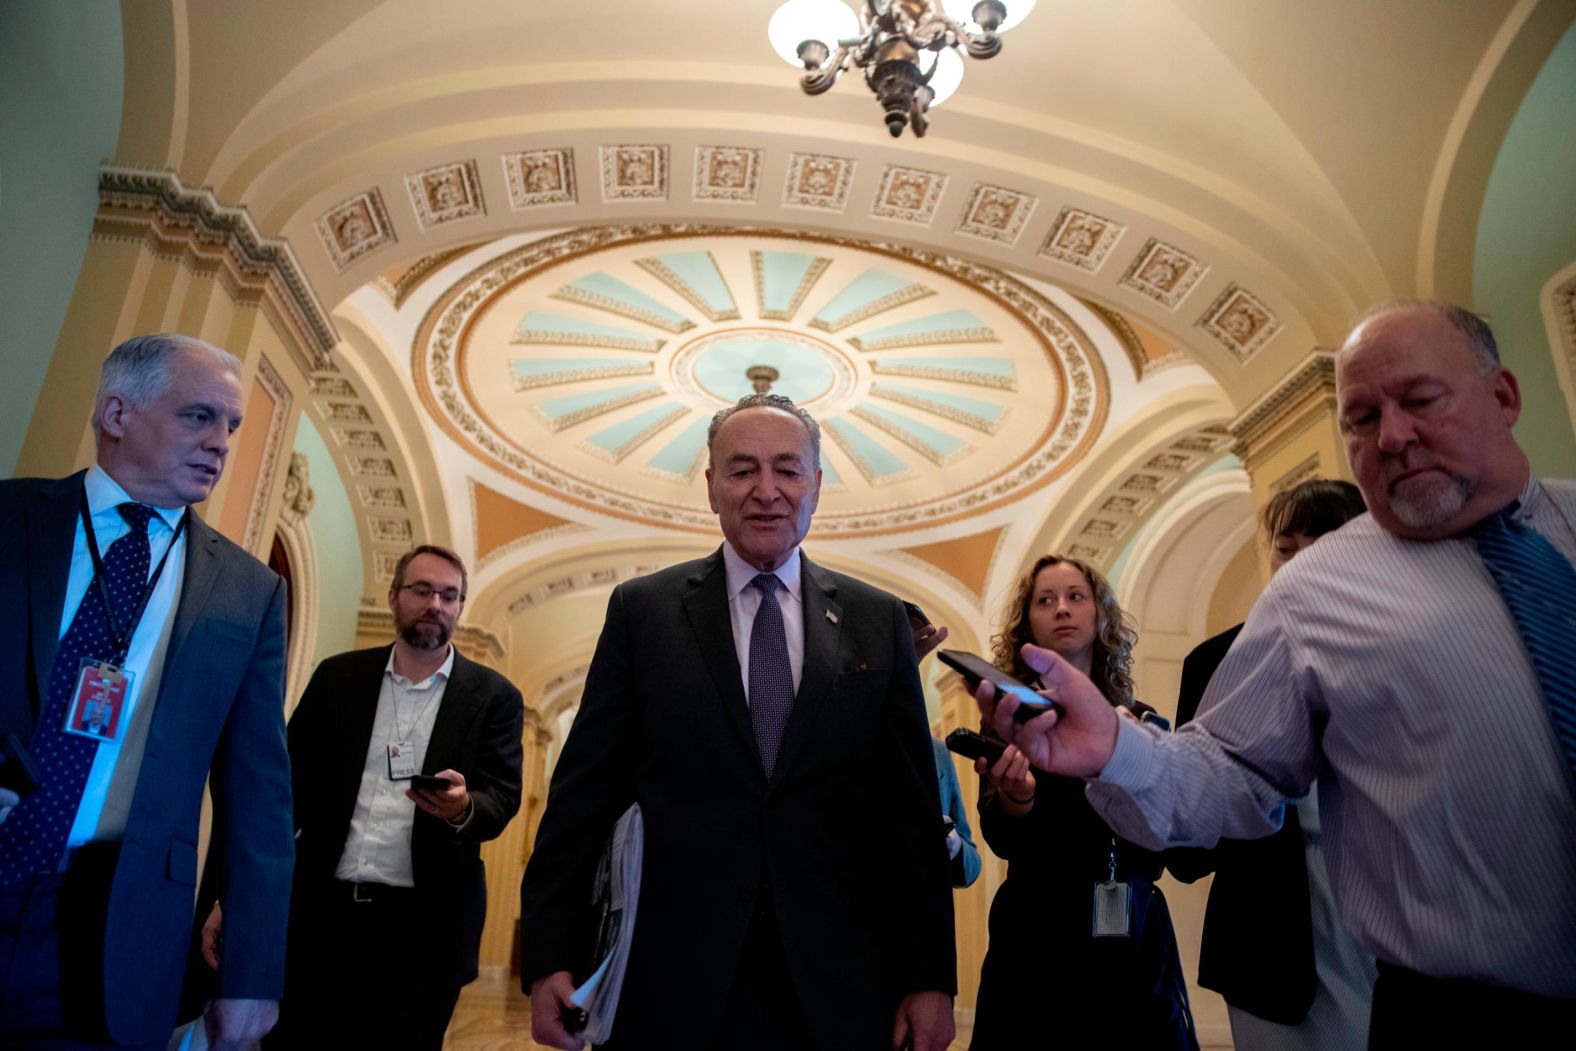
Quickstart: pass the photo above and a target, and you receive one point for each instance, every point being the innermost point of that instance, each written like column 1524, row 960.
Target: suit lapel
column 51, row 534
column 706, row 605
column 823, row 630
column 202, row 569
column 360, row 689
column 459, row 707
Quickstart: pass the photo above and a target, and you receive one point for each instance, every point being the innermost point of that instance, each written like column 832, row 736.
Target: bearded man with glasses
column 390, row 894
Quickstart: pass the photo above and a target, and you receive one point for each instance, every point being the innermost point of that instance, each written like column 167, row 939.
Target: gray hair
column 1480, row 338
column 140, row 369
column 767, row 401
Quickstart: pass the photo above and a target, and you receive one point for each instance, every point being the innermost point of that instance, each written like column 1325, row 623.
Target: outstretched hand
column 1077, row 741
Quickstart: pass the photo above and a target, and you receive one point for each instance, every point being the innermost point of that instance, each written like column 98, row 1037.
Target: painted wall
column 60, row 96
column 1526, row 233
column 336, row 544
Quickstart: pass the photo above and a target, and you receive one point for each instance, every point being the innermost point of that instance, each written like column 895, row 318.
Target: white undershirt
column 377, row 850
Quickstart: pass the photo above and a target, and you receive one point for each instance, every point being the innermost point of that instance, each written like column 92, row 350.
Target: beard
column 1430, row 501
column 424, row 634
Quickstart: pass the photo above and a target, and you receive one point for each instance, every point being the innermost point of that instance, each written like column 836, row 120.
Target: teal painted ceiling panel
column 962, row 323
column 557, row 330
column 679, row 455
column 958, row 363
column 781, row 275
column 610, row 287
column 870, row 455
column 699, row 271
column 869, row 293
column 570, row 404
column 617, row 438
column 531, row 368
column 940, row 441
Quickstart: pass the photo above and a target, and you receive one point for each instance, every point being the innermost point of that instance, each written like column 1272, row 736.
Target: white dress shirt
column 1391, row 670
column 744, row 600
column 106, row 799
column 377, row 850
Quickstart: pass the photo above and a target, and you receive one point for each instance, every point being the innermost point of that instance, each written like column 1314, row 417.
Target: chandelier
column 889, row 40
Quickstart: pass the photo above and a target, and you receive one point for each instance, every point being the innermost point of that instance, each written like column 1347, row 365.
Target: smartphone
column 431, row 784
column 971, row 745
column 17, row 771
column 916, row 617
column 976, row 668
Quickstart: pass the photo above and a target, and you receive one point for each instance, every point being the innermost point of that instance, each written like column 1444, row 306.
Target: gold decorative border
column 1076, row 419
column 273, row 442
column 662, row 272
column 807, row 280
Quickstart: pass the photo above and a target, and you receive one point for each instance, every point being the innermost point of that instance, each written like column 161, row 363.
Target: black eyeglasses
column 424, row 591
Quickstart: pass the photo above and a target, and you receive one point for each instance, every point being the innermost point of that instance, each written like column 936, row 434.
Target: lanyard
column 122, row 639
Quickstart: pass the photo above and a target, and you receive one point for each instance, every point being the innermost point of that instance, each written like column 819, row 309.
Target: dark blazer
column 845, row 840
column 1257, row 945
column 220, row 709
column 476, row 731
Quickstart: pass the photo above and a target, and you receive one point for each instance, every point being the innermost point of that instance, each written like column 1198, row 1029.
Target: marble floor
column 494, row 1015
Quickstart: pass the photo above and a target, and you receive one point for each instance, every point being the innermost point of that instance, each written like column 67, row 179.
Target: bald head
column 1426, row 411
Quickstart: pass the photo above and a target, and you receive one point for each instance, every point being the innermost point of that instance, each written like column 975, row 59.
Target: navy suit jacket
column 476, row 731
column 844, row 841
column 220, row 709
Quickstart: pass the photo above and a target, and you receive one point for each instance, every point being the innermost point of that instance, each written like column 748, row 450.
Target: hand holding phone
column 430, row 783
column 971, row 745
column 976, row 669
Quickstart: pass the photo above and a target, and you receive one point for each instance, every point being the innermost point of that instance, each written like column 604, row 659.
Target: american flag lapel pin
column 831, row 616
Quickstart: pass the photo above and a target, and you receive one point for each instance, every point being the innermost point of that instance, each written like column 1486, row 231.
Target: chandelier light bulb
column 948, row 75
column 963, row 11
column 798, row 21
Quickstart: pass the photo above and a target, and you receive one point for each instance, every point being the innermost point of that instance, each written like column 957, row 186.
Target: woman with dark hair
column 1100, row 957
column 1292, row 977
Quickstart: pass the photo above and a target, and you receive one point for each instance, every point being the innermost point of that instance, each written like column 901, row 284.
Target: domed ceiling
column 588, row 364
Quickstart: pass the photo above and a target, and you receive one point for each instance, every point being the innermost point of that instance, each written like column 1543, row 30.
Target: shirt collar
column 740, row 572
column 1527, row 503
column 443, row 672
column 105, row 495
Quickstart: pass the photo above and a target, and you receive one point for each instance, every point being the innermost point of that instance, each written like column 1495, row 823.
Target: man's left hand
column 235, row 1025
column 450, row 804
column 926, row 639
column 924, row 1022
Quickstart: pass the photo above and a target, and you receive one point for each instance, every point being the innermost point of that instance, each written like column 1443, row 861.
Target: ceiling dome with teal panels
column 589, row 363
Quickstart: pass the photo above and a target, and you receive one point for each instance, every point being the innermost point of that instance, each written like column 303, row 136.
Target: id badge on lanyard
column 98, row 703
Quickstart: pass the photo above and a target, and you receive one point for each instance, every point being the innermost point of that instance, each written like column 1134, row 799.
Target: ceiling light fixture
column 888, row 40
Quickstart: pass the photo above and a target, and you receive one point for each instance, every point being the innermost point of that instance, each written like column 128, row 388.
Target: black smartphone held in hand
column 976, row 668
column 971, row 745
column 430, row 783
column 916, row 617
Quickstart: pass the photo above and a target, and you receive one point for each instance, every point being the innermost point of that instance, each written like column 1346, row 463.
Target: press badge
column 1113, row 905
column 98, row 706
column 402, row 761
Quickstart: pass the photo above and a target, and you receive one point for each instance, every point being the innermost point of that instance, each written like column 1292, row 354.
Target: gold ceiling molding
column 966, row 560
column 1073, row 423
column 504, row 524
column 1308, row 388
column 1559, row 318
column 399, row 282
column 1128, row 504
column 155, row 207
column 1138, row 354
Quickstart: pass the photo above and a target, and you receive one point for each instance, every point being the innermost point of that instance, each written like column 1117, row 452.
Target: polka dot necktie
column 33, row 838
column 771, row 674
column 1538, row 585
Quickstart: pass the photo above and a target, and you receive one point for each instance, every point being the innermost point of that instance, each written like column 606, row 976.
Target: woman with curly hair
column 1100, row 956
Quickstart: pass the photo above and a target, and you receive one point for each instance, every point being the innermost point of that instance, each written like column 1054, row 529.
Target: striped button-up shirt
column 1391, row 671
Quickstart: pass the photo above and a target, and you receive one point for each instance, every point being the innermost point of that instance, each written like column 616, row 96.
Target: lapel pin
column 831, row 616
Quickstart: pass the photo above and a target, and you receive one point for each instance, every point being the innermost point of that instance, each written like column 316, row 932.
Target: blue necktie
column 33, row 838
column 771, row 675
column 1539, row 588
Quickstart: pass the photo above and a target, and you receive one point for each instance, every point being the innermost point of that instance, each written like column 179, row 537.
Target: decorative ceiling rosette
column 588, row 365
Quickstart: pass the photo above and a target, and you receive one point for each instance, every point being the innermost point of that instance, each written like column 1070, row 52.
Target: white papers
column 616, row 892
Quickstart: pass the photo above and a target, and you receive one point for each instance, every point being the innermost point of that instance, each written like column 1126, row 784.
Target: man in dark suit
column 767, row 716
column 127, row 598
column 390, row 893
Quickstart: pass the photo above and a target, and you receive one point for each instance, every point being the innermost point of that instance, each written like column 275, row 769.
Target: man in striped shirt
column 1385, row 663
